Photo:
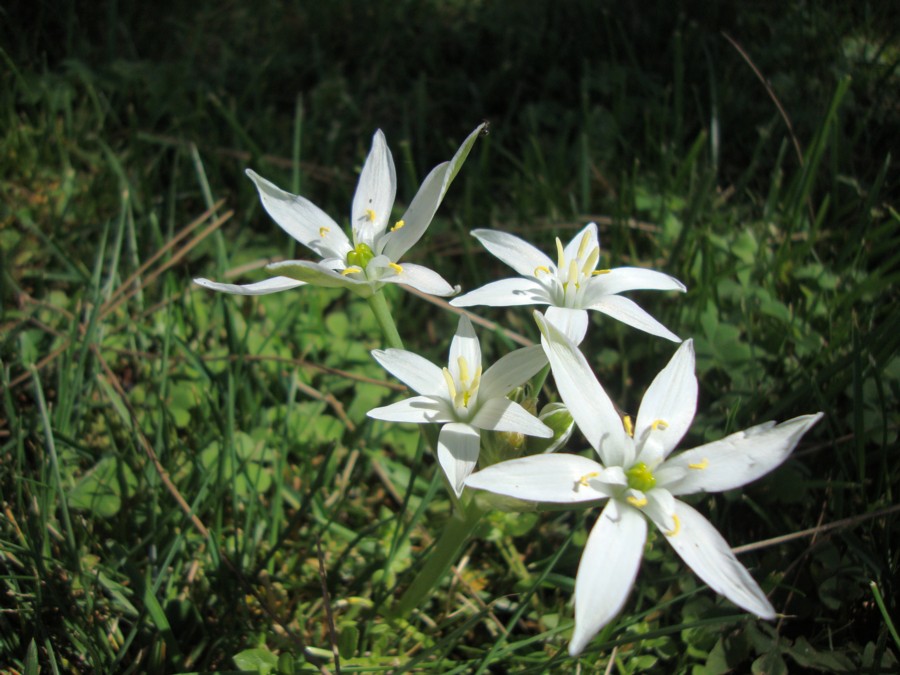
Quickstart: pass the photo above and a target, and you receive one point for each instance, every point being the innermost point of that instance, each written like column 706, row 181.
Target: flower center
column 640, row 477
column 360, row 256
column 573, row 273
column 463, row 389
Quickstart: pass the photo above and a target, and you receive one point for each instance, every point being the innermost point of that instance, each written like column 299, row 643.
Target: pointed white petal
column 458, row 446
column 573, row 323
column 415, row 410
column 375, row 192
column 629, row 313
column 515, row 252
column 301, row 219
column 668, row 407
column 511, row 370
column 427, row 200
column 465, row 345
column 460, row 156
column 707, row 553
column 501, row 414
column 418, row 216
column 423, row 279
column 623, row 279
column 575, row 244
column 737, row 459
column 416, row 372
column 320, row 275
column 591, row 408
column 606, row 573
column 558, row 479
column 505, row 293
column 272, row 285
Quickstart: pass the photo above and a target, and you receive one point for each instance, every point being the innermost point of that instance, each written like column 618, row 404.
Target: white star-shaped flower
column 372, row 257
column 462, row 399
column 571, row 286
column 641, row 481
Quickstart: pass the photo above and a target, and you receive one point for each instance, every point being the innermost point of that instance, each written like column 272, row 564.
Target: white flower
column 641, row 481
column 462, row 399
column 571, row 286
column 372, row 258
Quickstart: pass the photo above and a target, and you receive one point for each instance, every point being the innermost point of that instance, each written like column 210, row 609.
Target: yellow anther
column 398, row 225
column 597, row 273
column 541, row 268
column 395, row 267
column 323, row 231
column 560, row 254
column 582, row 247
column 660, row 425
column 463, row 369
column 629, row 425
column 451, row 386
column 351, row 270
column 370, row 215
column 675, row 530
column 634, row 501
column 586, row 477
column 699, row 466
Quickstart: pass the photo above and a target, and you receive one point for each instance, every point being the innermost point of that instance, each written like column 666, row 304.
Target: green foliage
column 183, row 473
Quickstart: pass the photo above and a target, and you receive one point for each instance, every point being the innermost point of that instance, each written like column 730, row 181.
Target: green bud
column 559, row 419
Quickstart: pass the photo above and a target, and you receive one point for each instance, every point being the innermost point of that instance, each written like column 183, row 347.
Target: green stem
column 445, row 552
column 382, row 312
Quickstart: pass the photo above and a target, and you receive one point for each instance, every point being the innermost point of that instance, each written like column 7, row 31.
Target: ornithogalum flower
column 571, row 286
column 641, row 482
column 371, row 258
column 462, row 399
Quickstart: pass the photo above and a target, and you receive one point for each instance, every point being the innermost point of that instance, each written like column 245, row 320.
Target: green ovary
column 360, row 256
column 640, row 477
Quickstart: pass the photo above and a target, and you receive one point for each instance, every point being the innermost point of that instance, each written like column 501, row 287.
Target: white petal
column 427, row 200
column 415, row 410
column 707, row 553
column 623, row 279
column 668, row 407
column 739, row 458
column 573, row 323
column 320, row 275
column 558, row 479
column 505, row 293
column 423, row 279
column 591, row 408
column 302, row 219
column 416, row 372
column 458, row 446
column 629, row 313
column 606, row 573
column 501, row 414
column 418, row 216
column 272, row 285
column 465, row 345
column 460, row 156
column 515, row 252
column 511, row 370
column 375, row 192
column 574, row 245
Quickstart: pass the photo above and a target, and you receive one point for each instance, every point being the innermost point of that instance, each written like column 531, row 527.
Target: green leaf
column 259, row 660
column 100, row 489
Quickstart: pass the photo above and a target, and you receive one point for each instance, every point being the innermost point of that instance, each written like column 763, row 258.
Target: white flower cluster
column 635, row 469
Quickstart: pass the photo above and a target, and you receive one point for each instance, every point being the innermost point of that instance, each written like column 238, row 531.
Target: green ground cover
column 189, row 481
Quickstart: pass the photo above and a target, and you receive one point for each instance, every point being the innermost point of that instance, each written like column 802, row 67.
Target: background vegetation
column 186, row 477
